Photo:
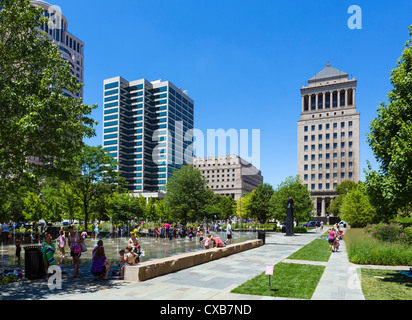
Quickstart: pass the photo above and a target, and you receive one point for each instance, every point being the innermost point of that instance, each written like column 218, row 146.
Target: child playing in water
column 121, row 263
column 130, row 257
column 134, row 243
column 206, row 241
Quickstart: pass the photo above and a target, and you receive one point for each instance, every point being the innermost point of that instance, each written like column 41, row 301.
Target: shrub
column 405, row 221
column 391, row 233
column 299, row 229
column 363, row 248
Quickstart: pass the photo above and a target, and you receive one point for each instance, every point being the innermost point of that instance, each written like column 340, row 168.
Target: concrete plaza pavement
column 209, row 281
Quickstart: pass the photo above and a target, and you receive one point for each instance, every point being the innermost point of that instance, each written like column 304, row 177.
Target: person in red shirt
column 217, row 243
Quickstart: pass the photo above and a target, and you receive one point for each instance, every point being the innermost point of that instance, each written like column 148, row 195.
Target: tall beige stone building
column 229, row 175
column 328, row 135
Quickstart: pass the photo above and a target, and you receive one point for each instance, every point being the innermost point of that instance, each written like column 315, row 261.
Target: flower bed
column 391, row 233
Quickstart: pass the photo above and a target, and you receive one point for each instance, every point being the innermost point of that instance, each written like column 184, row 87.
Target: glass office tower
column 147, row 127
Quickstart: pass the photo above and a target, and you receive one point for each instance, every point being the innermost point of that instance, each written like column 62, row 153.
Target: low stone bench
column 155, row 268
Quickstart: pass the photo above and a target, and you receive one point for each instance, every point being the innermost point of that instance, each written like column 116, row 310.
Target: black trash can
column 33, row 263
column 262, row 235
column 283, row 229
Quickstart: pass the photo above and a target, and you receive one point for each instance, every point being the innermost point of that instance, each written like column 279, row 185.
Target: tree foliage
column 390, row 139
column 37, row 118
column 342, row 190
column 221, row 208
column 242, row 207
column 291, row 187
column 356, row 208
column 123, row 207
column 258, row 204
column 93, row 178
column 187, row 194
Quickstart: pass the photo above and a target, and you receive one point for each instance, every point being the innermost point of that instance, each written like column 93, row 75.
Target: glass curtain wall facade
column 147, row 127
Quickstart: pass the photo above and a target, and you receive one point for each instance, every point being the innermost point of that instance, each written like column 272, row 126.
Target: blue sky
column 242, row 60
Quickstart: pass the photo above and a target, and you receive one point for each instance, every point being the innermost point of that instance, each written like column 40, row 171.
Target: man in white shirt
column 229, row 232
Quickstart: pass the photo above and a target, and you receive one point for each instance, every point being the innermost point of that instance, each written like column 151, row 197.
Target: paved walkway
column 340, row 280
column 210, row 281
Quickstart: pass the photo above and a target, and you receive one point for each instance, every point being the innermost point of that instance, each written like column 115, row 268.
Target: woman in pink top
column 331, row 239
column 75, row 250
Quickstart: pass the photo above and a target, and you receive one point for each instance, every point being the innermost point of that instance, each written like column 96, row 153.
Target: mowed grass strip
column 317, row 250
column 385, row 285
column 289, row 280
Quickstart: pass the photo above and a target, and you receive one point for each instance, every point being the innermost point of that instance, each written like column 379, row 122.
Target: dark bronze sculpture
column 289, row 217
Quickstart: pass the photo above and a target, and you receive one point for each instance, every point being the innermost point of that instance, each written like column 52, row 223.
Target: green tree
column 291, row 187
column 120, row 207
column 69, row 202
column 220, row 207
column 161, row 212
column 227, row 206
column 12, row 202
column 242, row 207
column 187, row 194
column 153, row 209
column 35, row 209
column 390, row 139
column 258, row 204
column 342, row 190
column 37, row 119
column 356, row 208
column 93, row 177
column 378, row 188
column 50, row 196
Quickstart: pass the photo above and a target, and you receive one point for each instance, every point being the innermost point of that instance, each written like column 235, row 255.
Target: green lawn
column 289, row 280
column 385, row 285
column 317, row 250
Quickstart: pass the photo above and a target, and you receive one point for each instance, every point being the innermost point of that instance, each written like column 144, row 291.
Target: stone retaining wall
column 154, row 268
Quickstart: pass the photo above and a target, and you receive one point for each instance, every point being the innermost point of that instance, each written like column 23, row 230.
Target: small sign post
column 269, row 272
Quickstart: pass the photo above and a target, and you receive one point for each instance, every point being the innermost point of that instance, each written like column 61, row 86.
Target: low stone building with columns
column 328, row 135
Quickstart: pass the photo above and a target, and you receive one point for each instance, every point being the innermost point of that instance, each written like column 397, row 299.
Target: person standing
column 75, row 250
column 156, row 234
column 48, row 250
column 229, row 232
column 331, row 239
column 93, row 231
column 97, row 230
column 134, row 244
column 121, row 262
column 130, row 257
column 18, row 247
column 62, row 243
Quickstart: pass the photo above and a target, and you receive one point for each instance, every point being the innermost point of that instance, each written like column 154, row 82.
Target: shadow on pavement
column 39, row 289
